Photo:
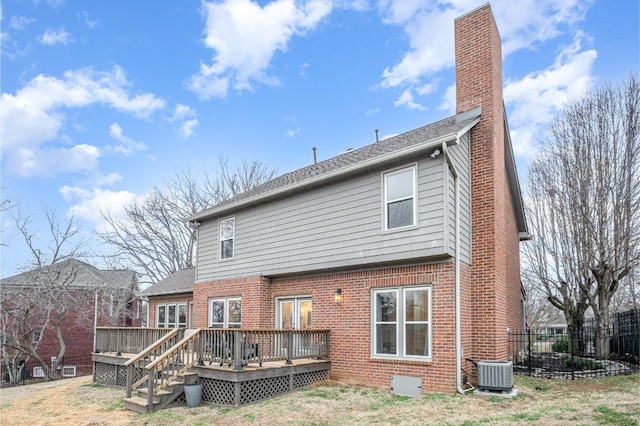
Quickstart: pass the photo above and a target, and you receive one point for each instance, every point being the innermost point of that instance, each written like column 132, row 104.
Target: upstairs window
column 225, row 312
column 399, row 198
column 227, row 235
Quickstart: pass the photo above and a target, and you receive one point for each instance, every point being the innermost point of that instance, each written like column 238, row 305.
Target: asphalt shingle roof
column 83, row 274
column 448, row 126
column 178, row 282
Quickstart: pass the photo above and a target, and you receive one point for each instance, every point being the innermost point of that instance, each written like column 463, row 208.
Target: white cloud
column 88, row 22
column 449, row 100
column 20, row 22
column 522, row 24
column 245, row 36
column 185, row 116
column 406, row 99
column 187, row 128
column 535, row 98
column 51, row 37
column 90, row 203
column 51, row 161
column 35, row 114
column 291, row 133
column 127, row 145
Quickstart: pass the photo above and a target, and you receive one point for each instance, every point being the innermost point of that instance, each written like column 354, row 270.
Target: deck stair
column 161, row 398
column 162, row 372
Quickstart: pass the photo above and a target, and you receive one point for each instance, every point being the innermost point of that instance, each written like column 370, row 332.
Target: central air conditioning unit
column 495, row 375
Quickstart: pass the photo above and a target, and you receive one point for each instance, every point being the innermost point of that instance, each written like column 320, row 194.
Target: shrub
column 560, row 345
column 583, row 364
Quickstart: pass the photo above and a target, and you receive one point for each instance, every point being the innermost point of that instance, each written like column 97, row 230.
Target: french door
column 295, row 314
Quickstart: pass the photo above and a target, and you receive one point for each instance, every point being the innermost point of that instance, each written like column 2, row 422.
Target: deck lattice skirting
column 277, row 364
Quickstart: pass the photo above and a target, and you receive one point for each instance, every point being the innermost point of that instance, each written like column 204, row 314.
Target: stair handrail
column 151, row 348
column 155, row 368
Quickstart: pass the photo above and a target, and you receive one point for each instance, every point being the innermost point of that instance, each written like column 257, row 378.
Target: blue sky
column 103, row 100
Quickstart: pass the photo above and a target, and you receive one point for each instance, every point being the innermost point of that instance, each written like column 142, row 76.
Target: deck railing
column 158, row 365
column 131, row 340
column 238, row 347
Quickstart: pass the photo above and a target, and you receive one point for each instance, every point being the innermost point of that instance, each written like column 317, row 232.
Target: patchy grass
column 609, row 401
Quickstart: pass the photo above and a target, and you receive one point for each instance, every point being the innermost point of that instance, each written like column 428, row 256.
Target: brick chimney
column 495, row 271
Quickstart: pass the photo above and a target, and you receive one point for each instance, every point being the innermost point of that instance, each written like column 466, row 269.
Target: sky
column 101, row 101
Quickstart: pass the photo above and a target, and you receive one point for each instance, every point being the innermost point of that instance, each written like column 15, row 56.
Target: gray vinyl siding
column 460, row 156
column 334, row 226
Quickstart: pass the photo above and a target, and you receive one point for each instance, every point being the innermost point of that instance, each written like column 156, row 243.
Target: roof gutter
column 451, row 137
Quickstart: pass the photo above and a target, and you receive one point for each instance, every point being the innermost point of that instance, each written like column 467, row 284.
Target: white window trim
column 225, row 316
column 38, row 372
column 220, row 240
column 400, row 323
column 166, row 314
column 385, row 222
column 69, row 371
column 33, row 336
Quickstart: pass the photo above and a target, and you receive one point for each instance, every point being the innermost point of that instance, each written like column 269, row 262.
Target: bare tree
column 588, row 184
column 42, row 302
column 152, row 234
column 552, row 258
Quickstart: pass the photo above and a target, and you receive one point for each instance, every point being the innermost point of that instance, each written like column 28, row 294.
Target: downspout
column 458, row 344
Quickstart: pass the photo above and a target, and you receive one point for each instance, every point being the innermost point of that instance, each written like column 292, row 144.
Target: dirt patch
column 74, row 402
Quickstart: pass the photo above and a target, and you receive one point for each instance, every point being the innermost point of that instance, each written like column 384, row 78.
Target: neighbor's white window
column 35, row 337
column 227, row 235
column 399, row 198
column 225, row 312
column 402, row 322
column 171, row 315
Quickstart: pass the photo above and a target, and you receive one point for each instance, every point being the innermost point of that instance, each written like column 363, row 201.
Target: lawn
column 609, row 401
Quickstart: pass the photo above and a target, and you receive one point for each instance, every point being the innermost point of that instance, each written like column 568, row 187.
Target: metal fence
column 574, row 355
column 26, row 373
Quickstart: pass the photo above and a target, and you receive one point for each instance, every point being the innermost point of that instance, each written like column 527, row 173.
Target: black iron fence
column 29, row 372
column 581, row 354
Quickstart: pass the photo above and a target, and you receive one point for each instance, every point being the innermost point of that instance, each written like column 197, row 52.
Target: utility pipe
column 458, row 344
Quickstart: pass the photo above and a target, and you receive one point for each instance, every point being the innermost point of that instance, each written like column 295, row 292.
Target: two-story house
column 407, row 249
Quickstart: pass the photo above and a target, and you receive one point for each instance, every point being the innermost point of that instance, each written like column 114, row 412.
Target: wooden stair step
column 137, row 404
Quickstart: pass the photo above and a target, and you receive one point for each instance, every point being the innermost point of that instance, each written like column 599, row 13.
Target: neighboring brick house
column 170, row 301
column 68, row 297
column 406, row 249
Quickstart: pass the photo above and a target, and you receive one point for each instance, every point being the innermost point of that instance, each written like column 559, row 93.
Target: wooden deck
column 256, row 365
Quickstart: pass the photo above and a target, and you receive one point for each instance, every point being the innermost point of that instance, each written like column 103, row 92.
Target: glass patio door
column 295, row 314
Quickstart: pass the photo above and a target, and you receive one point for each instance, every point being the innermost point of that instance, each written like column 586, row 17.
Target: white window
column 171, row 315
column 400, row 198
column 38, row 372
column 227, row 235
column 35, row 337
column 225, row 312
column 69, row 371
column 402, row 322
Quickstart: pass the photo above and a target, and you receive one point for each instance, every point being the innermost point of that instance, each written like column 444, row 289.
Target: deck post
column 151, row 389
column 327, row 338
column 129, row 379
column 289, row 347
column 118, row 352
column 237, row 350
